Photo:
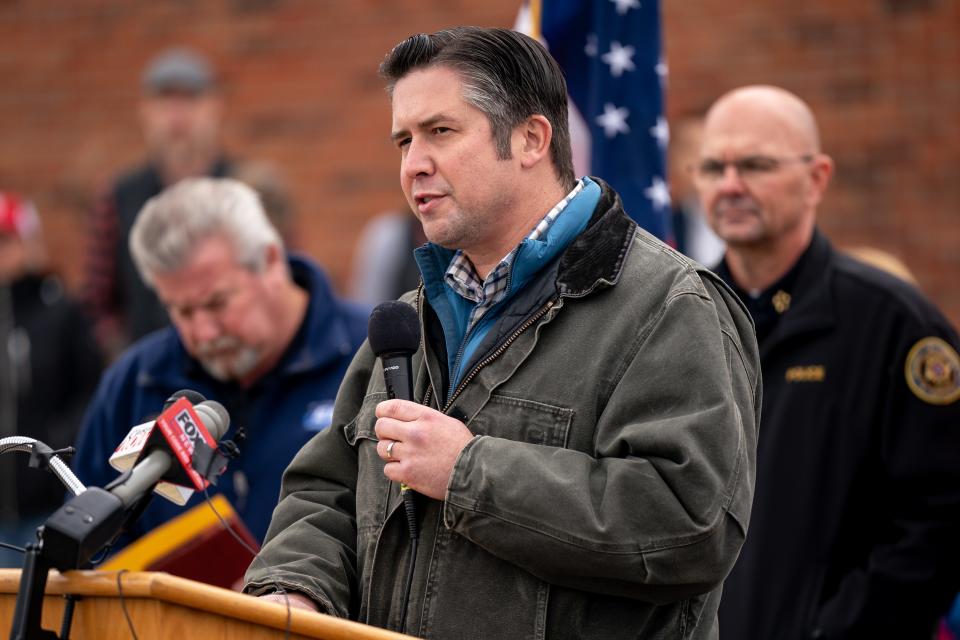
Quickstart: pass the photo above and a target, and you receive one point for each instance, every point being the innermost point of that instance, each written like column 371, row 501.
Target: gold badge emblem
column 933, row 371
column 810, row 373
column 781, row 301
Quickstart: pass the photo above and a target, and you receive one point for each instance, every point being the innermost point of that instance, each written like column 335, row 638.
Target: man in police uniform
column 854, row 528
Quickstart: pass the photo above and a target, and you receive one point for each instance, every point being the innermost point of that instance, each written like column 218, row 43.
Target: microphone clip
column 41, row 454
column 211, row 462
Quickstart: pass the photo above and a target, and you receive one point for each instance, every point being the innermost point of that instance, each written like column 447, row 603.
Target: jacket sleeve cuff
column 458, row 483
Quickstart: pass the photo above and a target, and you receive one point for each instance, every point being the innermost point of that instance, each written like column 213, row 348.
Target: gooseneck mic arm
column 57, row 466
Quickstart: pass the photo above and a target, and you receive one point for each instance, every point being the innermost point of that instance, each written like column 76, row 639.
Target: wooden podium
column 165, row 606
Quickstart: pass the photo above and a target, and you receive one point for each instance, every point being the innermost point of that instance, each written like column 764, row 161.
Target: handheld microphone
column 394, row 333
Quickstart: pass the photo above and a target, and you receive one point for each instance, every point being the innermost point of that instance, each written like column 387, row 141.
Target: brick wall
column 302, row 91
column 883, row 77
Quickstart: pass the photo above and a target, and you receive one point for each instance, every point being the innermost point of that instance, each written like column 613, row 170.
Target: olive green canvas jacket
column 606, row 492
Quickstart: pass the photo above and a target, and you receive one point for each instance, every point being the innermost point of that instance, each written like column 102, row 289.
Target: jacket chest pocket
column 512, row 602
column 523, row 420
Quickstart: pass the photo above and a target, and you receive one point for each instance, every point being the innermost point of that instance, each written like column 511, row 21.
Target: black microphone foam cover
column 394, row 328
column 193, row 397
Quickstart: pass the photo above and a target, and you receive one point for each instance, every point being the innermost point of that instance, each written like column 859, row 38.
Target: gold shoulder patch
column 933, row 371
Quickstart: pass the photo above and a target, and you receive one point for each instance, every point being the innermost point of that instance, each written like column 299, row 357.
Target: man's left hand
column 420, row 445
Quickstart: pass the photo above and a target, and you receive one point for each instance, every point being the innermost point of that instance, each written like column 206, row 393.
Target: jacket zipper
column 499, row 351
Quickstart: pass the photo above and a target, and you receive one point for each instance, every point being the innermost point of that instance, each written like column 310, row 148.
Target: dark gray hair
column 506, row 75
column 173, row 224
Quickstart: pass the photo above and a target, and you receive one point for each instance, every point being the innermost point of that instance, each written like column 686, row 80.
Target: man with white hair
column 252, row 328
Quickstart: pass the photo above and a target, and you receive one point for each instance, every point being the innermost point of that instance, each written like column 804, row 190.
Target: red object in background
column 943, row 633
column 17, row 216
column 194, row 545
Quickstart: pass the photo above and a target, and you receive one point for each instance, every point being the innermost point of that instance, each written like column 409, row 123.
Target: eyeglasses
column 711, row 170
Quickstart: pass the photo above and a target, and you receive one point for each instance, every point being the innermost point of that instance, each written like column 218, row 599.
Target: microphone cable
column 12, row 547
column 253, row 553
column 123, row 604
column 409, row 505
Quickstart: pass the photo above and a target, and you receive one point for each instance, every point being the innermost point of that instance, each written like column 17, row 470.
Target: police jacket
column 279, row 412
column 854, row 529
column 606, row 492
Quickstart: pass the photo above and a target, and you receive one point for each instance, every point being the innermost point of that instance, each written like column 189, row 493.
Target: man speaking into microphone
column 253, row 328
column 586, row 399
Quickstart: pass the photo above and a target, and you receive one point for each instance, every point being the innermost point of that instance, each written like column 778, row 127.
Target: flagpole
column 535, row 12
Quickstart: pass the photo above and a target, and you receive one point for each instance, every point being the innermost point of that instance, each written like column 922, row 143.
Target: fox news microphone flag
column 610, row 52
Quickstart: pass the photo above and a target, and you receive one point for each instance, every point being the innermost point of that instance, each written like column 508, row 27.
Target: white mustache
column 222, row 343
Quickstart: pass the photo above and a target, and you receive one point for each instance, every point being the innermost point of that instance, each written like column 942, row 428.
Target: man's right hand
column 297, row 600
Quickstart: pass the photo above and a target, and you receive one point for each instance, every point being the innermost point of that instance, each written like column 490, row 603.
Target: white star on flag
column 591, row 48
column 658, row 193
column 662, row 71
column 625, row 5
column 614, row 120
column 611, row 53
column 620, row 59
column 661, row 131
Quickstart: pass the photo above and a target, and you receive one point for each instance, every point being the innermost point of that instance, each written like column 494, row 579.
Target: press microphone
column 394, row 334
column 195, row 397
column 131, row 448
column 181, row 445
column 182, row 433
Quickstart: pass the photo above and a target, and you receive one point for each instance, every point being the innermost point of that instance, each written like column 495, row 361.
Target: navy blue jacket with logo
column 855, row 518
column 280, row 412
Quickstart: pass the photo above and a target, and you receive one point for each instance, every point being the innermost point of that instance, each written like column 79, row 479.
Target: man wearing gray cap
column 180, row 113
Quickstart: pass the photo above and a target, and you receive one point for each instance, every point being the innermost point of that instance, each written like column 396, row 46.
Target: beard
column 180, row 155
column 235, row 365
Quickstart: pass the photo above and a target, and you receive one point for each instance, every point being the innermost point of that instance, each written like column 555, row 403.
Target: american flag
column 610, row 52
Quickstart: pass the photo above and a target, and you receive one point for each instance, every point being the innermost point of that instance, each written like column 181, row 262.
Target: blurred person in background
column 384, row 267
column 49, row 365
column 693, row 235
column 180, row 114
column 254, row 328
column 271, row 185
column 855, row 518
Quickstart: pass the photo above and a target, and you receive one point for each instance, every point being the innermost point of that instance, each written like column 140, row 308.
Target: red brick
column 303, row 93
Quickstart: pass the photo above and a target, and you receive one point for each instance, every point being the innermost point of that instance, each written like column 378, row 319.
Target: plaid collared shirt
column 462, row 277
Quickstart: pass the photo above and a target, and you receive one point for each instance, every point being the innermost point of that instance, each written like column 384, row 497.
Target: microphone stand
column 67, row 540
column 33, row 577
column 75, row 533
